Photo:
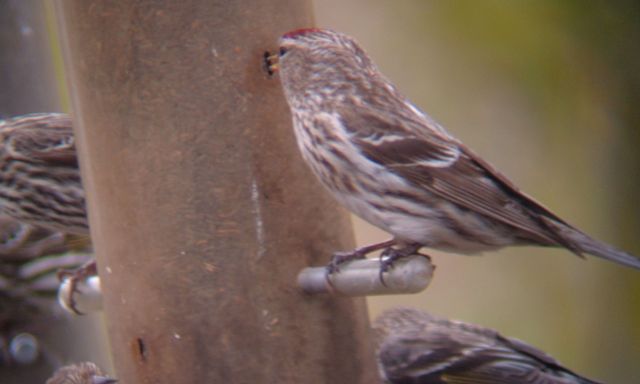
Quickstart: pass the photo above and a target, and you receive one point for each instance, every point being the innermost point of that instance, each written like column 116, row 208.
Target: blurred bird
column 39, row 176
column 416, row 347
column 23, row 242
column 82, row 373
column 30, row 258
column 40, row 185
column 398, row 169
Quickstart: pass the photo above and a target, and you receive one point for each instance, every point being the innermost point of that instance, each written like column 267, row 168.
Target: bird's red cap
column 300, row 32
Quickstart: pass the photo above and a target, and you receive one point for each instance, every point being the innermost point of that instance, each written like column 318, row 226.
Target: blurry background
column 548, row 92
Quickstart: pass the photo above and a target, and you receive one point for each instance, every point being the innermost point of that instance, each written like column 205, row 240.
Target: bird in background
column 24, row 242
column 39, row 175
column 30, row 258
column 397, row 168
column 416, row 347
column 40, row 184
column 82, row 373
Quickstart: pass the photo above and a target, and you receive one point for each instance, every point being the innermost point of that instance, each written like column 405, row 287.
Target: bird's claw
column 75, row 276
column 340, row 258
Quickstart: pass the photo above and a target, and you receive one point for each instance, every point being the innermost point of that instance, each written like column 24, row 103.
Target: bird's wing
column 411, row 357
column 46, row 137
column 421, row 152
column 440, row 358
column 541, row 357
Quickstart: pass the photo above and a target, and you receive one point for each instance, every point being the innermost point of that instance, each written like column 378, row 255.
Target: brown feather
column 44, row 137
column 469, row 182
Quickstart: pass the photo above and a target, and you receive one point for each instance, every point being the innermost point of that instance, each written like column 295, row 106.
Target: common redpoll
column 83, row 373
column 416, row 347
column 398, row 169
column 40, row 181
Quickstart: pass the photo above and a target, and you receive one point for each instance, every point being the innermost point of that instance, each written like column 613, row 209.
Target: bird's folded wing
column 54, row 144
column 423, row 156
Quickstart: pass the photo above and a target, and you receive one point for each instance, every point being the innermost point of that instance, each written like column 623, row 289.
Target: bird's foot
column 342, row 257
column 75, row 276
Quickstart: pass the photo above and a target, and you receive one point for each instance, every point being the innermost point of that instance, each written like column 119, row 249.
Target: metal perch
column 85, row 297
column 356, row 278
column 362, row 278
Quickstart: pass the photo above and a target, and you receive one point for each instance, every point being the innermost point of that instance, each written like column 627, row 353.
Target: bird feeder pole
column 201, row 209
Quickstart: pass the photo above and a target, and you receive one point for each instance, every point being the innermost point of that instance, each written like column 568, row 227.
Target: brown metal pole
column 201, row 209
column 28, row 84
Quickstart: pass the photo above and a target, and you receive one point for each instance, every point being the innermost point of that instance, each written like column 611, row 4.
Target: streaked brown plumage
column 40, row 183
column 39, row 176
column 30, row 259
column 82, row 373
column 418, row 348
column 24, row 242
column 394, row 166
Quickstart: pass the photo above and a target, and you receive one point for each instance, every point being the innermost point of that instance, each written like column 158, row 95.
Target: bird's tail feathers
column 579, row 242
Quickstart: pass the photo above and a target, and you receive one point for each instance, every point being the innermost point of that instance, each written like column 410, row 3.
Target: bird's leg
column 81, row 273
column 391, row 255
column 358, row 253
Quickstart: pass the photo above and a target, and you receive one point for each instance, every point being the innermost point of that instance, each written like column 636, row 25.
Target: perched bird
column 394, row 166
column 83, row 373
column 416, row 347
column 40, row 184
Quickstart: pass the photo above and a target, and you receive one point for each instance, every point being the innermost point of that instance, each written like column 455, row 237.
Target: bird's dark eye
column 283, row 51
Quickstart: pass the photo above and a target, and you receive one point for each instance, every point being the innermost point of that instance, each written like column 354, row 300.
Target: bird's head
column 320, row 61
